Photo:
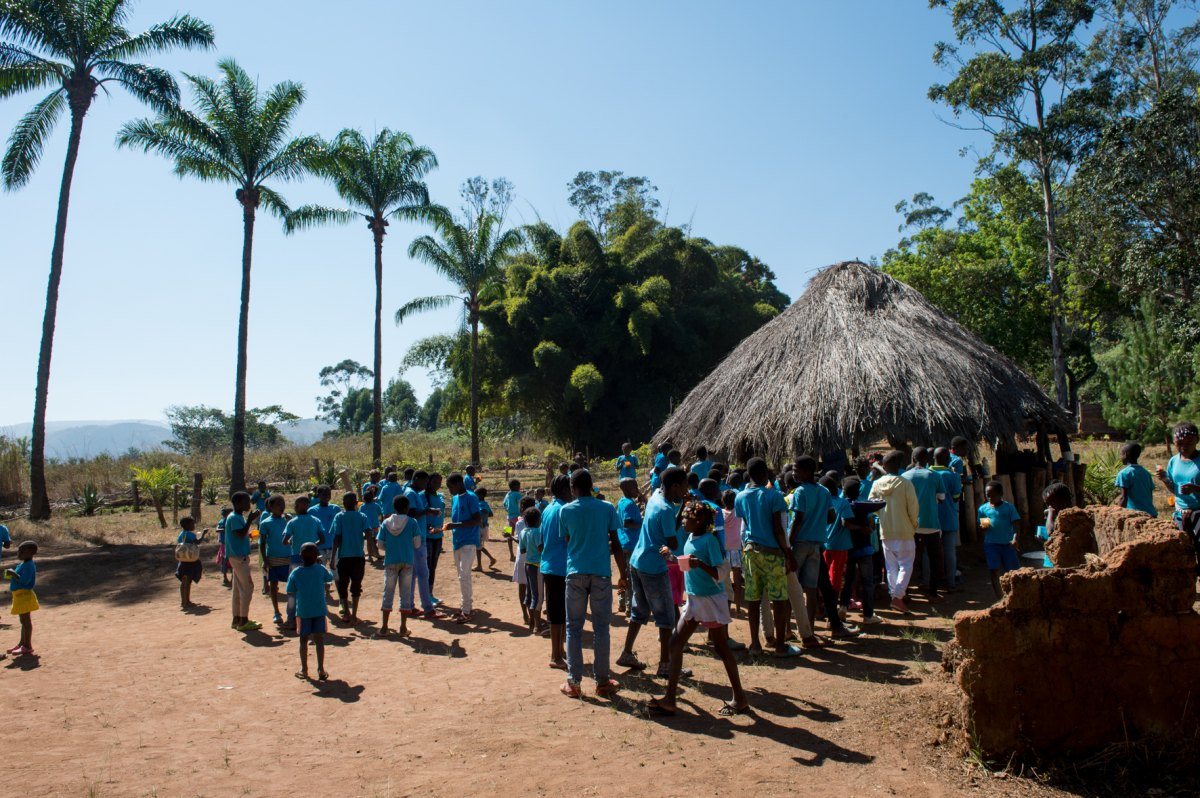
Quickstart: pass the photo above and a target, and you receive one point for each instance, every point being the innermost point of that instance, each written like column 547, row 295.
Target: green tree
column 428, row 419
column 611, row 202
column 239, row 135
column 159, row 483
column 341, row 379
column 472, row 256
column 75, row 50
column 401, row 410
column 197, row 429
column 1020, row 77
column 1148, row 378
column 380, row 180
column 1149, row 56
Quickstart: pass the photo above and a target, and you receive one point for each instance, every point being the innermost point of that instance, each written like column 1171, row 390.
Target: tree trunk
column 1058, row 360
column 39, row 499
column 197, row 486
column 377, row 425
column 249, row 200
column 158, row 507
column 474, row 385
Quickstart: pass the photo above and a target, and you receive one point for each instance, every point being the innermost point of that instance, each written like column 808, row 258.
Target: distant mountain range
column 66, row 439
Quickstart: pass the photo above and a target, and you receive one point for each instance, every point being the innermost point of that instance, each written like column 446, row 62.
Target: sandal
column 302, row 676
column 322, row 676
column 570, row 689
column 558, row 666
column 729, row 709
column 787, row 652
column 665, row 673
column 607, row 688
column 656, row 708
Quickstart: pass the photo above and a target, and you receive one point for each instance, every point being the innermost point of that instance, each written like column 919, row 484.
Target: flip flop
column 729, row 710
column 664, row 673
column 570, row 690
column 655, row 708
column 322, row 676
column 302, row 676
column 788, row 653
column 558, row 666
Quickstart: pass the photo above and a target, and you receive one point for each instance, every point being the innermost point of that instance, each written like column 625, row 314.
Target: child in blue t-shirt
column 531, row 550
column 485, row 512
column 512, row 511
column 5, row 538
column 374, row 513
column 706, row 606
column 188, row 572
column 307, row 583
column 22, row 578
column 276, row 554
column 1135, row 482
column 996, row 518
column 222, row 557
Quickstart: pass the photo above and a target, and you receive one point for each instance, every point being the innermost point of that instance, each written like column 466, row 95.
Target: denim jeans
column 420, row 581
column 582, row 590
column 950, row 553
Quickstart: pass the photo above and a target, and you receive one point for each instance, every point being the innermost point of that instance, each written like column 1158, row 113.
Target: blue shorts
column 312, row 626
column 808, row 562
column 279, row 573
column 1001, row 557
column 651, row 598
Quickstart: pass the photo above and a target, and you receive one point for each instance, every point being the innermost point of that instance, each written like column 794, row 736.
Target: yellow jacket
column 898, row 520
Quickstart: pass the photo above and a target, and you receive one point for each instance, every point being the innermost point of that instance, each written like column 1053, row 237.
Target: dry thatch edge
column 859, row 357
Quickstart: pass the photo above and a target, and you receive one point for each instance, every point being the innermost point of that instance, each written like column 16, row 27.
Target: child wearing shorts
column 188, row 572
column 276, row 554
column 307, row 583
column 22, row 578
column 996, row 517
column 485, row 516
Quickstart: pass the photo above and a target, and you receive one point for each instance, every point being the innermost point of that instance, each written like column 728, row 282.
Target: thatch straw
column 860, row 357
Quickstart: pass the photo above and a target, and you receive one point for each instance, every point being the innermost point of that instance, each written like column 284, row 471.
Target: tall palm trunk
column 377, row 425
column 474, row 385
column 248, row 197
column 39, row 499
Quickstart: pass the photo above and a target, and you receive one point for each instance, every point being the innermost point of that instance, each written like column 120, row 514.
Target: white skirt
column 519, row 569
column 709, row 611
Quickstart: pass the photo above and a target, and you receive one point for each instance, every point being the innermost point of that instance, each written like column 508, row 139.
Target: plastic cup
column 684, row 563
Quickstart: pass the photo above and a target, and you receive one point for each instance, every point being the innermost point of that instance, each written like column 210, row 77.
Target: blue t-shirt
column 308, row 584
column 26, row 576
column 813, row 500
column 369, row 484
column 554, row 548
column 837, row 534
column 187, row 537
column 373, row 513
column 701, row 468
column 757, row 506
column 272, row 530
column 948, row 507
column 5, row 537
column 463, row 507
column 695, row 581
column 586, row 524
column 512, row 503
column 627, row 466
column 718, row 523
column 630, row 516
column 398, row 546
column 1002, row 519
column 1184, row 472
column 434, row 501
column 302, row 529
column 530, row 544
column 416, row 503
column 928, row 485
column 959, row 467
column 657, row 525
column 349, row 526
column 469, row 482
column 387, row 493
column 237, row 545
column 485, row 512
column 260, row 499
column 1139, row 489
column 325, row 514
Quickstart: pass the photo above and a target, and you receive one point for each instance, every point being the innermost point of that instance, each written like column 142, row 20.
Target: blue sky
column 788, row 128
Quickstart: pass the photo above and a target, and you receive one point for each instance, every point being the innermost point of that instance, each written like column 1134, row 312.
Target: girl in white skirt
column 706, row 605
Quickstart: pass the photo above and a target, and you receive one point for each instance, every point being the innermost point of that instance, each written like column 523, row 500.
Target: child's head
column 350, row 500
column 757, row 469
column 851, row 488
column 560, row 488
column 309, row 553
column 1058, row 496
column 666, row 447
column 960, row 446
column 526, row 503
column 581, row 483
column 391, row 477
column 701, row 452
column 693, row 480
column 481, row 493
column 374, row 476
column 697, row 517
column 26, row 550
column 709, row 490
column 539, row 494
column 435, row 482
column 514, row 484
column 994, row 492
column 369, row 494
column 563, row 468
column 862, row 467
column 471, row 470
column 830, row 483
column 455, row 484
column 920, row 456
column 532, row 517
column 1130, row 452
column 400, row 505
column 301, row 504
column 736, row 480
column 240, row 501
column 324, row 493
column 408, row 474
column 276, row 504
column 675, row 457
column 805, row 468
column 728, row 498
column 941, row 456
column 262, row 484
column 226, row 511
column 420, row 480
column 626, row 447
column 674, row 484
column 187, row 523
column 629, row 487
column 893, row 461
column 1186, row 436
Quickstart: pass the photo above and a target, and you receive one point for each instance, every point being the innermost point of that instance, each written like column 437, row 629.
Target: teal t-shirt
column 349, row 526
column 237, row 536
column 463, row 507
column 373, row 513
column 512, row 503
column 813, row 500
column 701, row 468
column 302, row 529
column 530, row 543
column 630, row 516
column 586, row 524
column 757, row 506
column 658, row 524
column 387, row 493
column 554, row 548
column 1002, row 519
column 838, row 535
column 325, row 514
column 1139, row 489
column 272, row 530
column 707, row 548
column 927, row 485
column 1184, row 472
column 627, row 466
column 397, row 539
column 307, row 583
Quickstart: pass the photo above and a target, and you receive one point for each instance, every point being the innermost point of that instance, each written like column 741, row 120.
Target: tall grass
column 13, row 477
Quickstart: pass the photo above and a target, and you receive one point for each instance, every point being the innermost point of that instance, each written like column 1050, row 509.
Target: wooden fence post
column 197, row 486
column 1021, row 500
column 175, row 505
column 137, row 500
column 317, row 469
column 505, row 466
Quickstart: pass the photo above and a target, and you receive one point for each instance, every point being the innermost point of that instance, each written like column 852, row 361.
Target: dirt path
column 131, row 697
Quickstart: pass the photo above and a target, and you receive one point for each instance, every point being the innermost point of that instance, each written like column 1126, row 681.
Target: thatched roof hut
column 860, row 357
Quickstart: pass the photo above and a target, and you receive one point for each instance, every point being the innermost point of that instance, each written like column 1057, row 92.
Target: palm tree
column 472, row 257
column 240, row 136
column 379, row 180
column 74, row 49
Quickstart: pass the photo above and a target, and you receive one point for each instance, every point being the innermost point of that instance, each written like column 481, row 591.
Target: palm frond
column 28, row 139
column 425, row 303
column 309, row 216
column 292, row 161
column 431, row 251
column 153, row 86
column 418, row 212
column 17, row 79
column 274, row 202
column 182, row 31
column 165, row 137
column 37, row 25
